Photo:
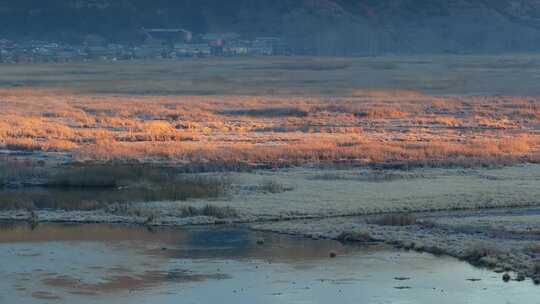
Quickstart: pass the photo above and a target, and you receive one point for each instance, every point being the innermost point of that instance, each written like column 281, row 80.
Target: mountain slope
column 331, row 27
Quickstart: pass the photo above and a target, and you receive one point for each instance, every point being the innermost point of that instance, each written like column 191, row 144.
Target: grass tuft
column 274, row 187
column 476, row 253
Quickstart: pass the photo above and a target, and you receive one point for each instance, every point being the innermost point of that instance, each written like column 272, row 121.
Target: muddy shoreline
column 489, row 217
column 92, row 263
column 475, row 236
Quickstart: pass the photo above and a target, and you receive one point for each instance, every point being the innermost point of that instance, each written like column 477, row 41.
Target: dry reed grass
column 97, row 186
column 373, row 127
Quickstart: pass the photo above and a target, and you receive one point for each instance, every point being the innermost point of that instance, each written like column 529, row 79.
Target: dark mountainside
column 324, row 27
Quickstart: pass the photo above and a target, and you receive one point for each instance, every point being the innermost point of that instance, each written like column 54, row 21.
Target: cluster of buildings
column 182, row 43
column 157, row 43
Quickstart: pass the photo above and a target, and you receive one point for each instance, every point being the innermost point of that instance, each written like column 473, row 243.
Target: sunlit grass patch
column 372, row 128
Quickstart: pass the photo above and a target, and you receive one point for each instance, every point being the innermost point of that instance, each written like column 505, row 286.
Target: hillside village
column 158, row 43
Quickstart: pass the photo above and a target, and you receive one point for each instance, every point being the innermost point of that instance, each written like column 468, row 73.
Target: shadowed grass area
column 394, row 220
column 269, row 112
column 94, row 187
column 11, row 172
column 271, row 186
column 478, row 253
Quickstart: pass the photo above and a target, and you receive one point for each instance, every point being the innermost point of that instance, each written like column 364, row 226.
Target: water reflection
column 127, row 280
column 190, row 243
column 129, row 264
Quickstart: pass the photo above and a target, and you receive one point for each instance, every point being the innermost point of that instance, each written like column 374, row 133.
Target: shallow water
column 57, row 263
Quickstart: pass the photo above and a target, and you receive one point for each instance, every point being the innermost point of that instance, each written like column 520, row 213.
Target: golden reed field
column 369, row 127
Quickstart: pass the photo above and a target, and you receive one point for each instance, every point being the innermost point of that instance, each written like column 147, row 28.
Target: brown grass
column 394, row 127
column 477, row 252
column 534, row 248
column 97, row 186
column 14, row 172
column 536, row 269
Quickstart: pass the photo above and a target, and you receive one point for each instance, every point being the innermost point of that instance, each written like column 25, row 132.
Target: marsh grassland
column 437, row 154
column 367, row 128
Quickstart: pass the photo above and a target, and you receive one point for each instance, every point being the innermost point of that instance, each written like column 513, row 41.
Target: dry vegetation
column 91, row 187
column 370, row 127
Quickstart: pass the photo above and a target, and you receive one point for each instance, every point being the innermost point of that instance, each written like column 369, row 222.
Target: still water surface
column 57, row 263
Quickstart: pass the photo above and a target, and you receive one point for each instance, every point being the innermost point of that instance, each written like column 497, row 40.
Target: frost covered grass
column 209, row 210
column 285, row 193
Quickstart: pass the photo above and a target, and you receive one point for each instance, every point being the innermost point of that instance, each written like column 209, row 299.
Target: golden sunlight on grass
column 367, row 128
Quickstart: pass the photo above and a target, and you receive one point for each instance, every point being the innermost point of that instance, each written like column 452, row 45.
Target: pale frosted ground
column 317, row 192
column 434, row 194
column 327, row 192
